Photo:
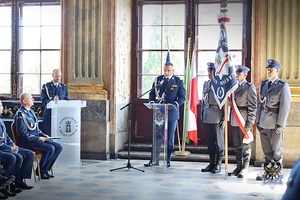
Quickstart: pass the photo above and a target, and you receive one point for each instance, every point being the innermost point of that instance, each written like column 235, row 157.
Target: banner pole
column 226, row 136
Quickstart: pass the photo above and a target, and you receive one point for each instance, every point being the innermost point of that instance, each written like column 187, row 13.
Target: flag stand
column 180, row 152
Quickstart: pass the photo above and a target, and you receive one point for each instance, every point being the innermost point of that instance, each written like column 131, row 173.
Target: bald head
column 26, row 100
column 56, row 75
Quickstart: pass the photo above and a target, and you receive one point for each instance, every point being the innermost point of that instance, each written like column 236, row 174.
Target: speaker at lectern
column 66, row 125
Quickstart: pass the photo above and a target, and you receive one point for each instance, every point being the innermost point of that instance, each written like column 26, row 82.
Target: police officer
column 272, row 112
column 16, row 161
column 52, row 91
column 31, row 137
column 169, row 89
column 213, row 120
column 246, row 102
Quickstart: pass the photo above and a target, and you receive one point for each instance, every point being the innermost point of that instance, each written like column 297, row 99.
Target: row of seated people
column 17, row 159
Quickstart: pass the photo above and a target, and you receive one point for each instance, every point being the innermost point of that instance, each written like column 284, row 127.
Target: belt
column 274, row 110
column 243, row 108
column 211, row 106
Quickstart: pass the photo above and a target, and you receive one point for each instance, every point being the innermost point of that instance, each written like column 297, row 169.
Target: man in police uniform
column 16, row 161
column 246, row 102
column 169, row 89
column 31, row 137
column 272, row 112
column 213, row 120
column 52, row 91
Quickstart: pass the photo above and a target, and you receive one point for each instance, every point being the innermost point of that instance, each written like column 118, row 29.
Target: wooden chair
column 37, row 154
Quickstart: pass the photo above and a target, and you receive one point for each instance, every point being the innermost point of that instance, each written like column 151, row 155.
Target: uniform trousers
column 160, row 138
column 51, row 151
column 242, row 151
column 271, row 144
column 18, row 164
column 214, row 135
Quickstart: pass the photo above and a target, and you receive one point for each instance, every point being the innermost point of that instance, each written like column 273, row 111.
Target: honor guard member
column 213, row 120
column 272, row 112
column 246, row 102
column 168, row 89
column 52, row 91
column 16, row 161
column 31, row 137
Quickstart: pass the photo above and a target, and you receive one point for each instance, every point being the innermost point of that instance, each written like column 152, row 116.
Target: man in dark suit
column 31, row 137
column 213, row 121
column 52, row 91
column 272, row 113
column 246, row 101
column 168, row 89
column 16, row 161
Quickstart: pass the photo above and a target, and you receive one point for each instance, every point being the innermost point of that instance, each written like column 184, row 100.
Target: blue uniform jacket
column 5, row 141
column 173, row 92
column 27, row 126
column 49, row 90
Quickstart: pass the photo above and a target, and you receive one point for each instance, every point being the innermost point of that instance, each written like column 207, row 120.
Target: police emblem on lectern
column 68, row 126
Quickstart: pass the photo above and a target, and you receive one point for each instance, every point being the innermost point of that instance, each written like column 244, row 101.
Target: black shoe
column 209, row 168
column 16, row 190
column 7, row 193
column 44, row 176
column 258, row 178
column 217, row 169
column 49, row 175
column 235, row 172
column 24, row 186
column 168, row 164
column 4, row 181
column 149, row 164
column 2, row 196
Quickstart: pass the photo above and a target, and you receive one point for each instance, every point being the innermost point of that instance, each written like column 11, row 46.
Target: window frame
column 16, row 75
column 189, row 32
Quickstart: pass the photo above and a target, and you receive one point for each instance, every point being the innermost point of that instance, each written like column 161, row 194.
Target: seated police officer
column 31, row 137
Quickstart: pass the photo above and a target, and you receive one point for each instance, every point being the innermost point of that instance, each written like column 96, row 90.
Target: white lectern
column 66, row 124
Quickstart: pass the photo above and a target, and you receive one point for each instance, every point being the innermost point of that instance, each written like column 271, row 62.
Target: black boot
column 244, row 171
column 209, row 167
column 237, row 170
column 217, row 167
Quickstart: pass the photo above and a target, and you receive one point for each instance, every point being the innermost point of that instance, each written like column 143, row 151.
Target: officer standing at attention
column 272, row 113
column 52, row 91
column 213, row 120
column 246, row 102
column 170, row 89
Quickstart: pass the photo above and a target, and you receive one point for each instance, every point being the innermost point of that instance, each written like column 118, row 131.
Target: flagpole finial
column 223, row 6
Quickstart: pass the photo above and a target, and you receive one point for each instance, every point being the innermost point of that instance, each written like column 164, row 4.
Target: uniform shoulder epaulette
column 177, row 77
column 281, row 81
column 248, row 83
column 19, row 113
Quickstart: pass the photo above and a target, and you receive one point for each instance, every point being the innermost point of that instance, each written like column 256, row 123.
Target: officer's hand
column 248, row 126
column 278, row 129
column 176, row 105
column 222, row 124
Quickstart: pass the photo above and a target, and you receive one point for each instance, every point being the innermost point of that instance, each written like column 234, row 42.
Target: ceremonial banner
column 224, row 79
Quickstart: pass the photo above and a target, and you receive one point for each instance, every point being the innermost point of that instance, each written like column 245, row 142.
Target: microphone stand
column 129, row 166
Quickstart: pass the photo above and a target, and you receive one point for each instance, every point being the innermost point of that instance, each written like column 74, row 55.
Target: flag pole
column 182, row 151
column 226, row 136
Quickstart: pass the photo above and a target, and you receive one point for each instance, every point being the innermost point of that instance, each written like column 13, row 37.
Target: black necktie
column 269, row 84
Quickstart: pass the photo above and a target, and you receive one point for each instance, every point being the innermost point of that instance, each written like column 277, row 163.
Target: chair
column 37, row 154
